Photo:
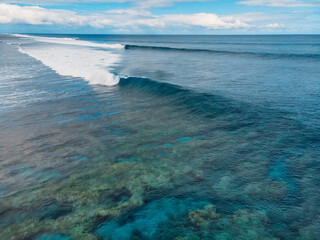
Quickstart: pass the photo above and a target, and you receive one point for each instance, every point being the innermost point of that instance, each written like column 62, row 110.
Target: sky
column 160, row 16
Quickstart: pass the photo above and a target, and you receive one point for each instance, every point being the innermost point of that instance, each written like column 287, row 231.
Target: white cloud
column 280, row 3
column 206, row 20
column 274, row 25
column 131, row 19
column 41, row 16
column 38, row 16
column 257, row 18
column 145, row 4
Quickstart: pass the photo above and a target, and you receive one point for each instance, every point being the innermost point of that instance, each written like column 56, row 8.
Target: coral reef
column 244, row 224
column 202, row 218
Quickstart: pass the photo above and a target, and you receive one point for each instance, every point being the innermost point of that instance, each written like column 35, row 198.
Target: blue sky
column 161, row 16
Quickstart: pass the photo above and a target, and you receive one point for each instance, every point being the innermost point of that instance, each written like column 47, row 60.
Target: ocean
column 182, row 137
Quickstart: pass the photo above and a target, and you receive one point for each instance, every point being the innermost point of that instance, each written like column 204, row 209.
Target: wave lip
column 71, row 41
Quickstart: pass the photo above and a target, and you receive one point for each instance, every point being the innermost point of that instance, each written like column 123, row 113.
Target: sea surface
column 125, row 137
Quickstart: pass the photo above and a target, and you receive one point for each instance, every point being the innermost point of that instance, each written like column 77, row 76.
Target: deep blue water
column 185, row 137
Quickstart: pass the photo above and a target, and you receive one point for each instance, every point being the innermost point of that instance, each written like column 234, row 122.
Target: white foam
column 71, row 41
column 90, row 64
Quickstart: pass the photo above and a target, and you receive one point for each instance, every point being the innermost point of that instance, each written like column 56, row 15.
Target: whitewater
column 71, row 57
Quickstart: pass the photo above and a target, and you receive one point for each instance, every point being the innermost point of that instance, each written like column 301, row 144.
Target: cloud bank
column 136, row 3
column 124, row 18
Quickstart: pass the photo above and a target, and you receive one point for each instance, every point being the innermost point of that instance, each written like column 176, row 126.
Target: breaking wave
column 71, row 41
column 71, row 57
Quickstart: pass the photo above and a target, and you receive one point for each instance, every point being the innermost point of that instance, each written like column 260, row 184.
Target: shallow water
column 162, row 155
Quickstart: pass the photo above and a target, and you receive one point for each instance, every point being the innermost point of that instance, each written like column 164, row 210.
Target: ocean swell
column 198, row 103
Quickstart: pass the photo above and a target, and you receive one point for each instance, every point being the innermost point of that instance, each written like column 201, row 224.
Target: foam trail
column 90, row 64
column 71, row 41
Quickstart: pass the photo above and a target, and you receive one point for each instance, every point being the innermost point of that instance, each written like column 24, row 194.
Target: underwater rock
column 49, row 208
column 114, row 197
column 188, row 237
column 138, row 235
column 47, row 236
column 9, row 216
column 223, row 185
column 244, row 224
column 246, row 217
column 51, row 236
column 44, row 174
column 311, row 231
column 99, row 219
column 226, row 188
column 202, row 218
column 145, row 221
column 18, row 169
column 266, row 190
column 3, row 191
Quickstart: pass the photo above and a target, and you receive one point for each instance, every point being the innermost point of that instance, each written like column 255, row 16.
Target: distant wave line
column 261, row 54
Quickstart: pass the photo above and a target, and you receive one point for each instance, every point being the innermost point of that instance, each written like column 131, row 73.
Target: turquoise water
column 221, row 143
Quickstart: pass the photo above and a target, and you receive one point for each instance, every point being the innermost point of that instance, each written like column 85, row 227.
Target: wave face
column 198, row 103
column 76, row 58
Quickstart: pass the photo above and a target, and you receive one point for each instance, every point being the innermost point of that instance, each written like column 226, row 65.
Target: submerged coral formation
column 202, row 218
column 244, row 224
